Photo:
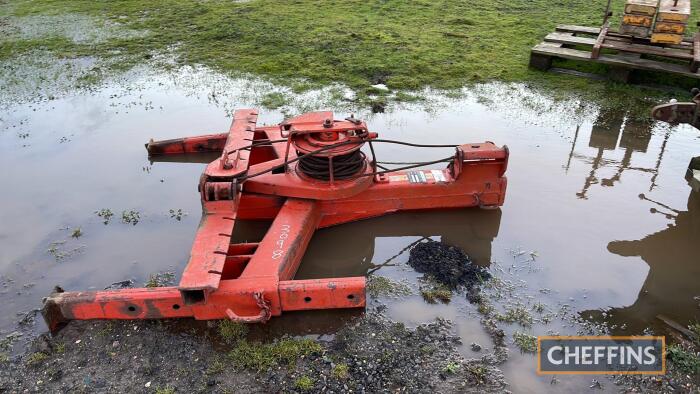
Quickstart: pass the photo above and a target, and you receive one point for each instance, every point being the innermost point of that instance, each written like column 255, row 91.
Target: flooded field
column 599, row 222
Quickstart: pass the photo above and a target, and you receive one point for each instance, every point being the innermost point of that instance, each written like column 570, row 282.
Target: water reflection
column 353, row 250
column 349, row 250
column 671, row 287
column 610, row 131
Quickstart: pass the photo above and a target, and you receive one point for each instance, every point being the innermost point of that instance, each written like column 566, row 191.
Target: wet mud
column 369, row 354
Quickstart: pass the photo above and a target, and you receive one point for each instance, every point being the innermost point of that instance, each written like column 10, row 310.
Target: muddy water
column 598, row 219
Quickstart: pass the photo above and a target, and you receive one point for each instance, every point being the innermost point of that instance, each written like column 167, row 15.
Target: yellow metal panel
column 637, row 20
column 665, row 38
column 641, row 7
column 668, row 12
column 669, row 27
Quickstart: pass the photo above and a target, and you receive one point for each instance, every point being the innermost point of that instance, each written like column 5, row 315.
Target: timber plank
column 649, row 50
column 626, row 46
column 569, row 39
column 578, row 29
column 614, row 60
column 687, row 41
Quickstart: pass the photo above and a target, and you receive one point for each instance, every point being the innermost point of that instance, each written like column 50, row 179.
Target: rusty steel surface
column 304, row 174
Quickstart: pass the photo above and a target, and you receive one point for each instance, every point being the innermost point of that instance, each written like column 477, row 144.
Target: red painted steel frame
column 250, row 282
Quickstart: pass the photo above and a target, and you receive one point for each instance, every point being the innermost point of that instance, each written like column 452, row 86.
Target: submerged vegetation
column 526, row 342
column 434, row 291
column 160, row 279
column 516, row 314
column 305, row 44
column 378, row 286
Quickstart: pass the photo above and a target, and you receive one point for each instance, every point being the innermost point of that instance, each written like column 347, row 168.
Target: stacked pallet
column 671, row 22
column 638, row 17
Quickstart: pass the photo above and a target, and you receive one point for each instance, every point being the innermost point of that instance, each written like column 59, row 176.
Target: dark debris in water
column 124, row 284
column 446, row 264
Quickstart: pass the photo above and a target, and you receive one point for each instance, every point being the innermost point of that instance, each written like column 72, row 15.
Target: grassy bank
column 306, row 43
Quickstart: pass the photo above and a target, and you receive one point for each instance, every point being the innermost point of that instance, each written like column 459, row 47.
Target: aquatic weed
column 433, row 291
column 526, row 342
column 58, row 250
column 77, row 233
column 160, row 279
column 177, row 214
column 378, row 286
column 106, row 215
column 131, row 217
column 516, row 314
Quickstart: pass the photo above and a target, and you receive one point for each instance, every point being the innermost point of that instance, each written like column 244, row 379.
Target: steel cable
column 332, row 146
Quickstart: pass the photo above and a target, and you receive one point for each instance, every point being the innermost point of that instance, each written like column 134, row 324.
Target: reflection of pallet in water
column 583, row 43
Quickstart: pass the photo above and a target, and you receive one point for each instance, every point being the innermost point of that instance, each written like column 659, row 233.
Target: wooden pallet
column 629, row 52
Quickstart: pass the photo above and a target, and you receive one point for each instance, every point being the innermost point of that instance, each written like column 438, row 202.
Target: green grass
column 451, row 368
column 685, row 360
column 274, row 100
column 340, row 371
column 232, row 332
column 309, row 43
column 216, row 367
column 260, row 357
column 36, row 358
column 304, row 383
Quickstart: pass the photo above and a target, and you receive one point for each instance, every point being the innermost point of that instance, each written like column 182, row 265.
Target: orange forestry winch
column 306, row 173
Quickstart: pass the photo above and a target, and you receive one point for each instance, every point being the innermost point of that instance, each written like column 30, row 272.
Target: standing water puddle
column 598, row 220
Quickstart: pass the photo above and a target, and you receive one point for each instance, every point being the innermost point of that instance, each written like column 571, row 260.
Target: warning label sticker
column 438, row 176
column 432, row 176
column 417, row 177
